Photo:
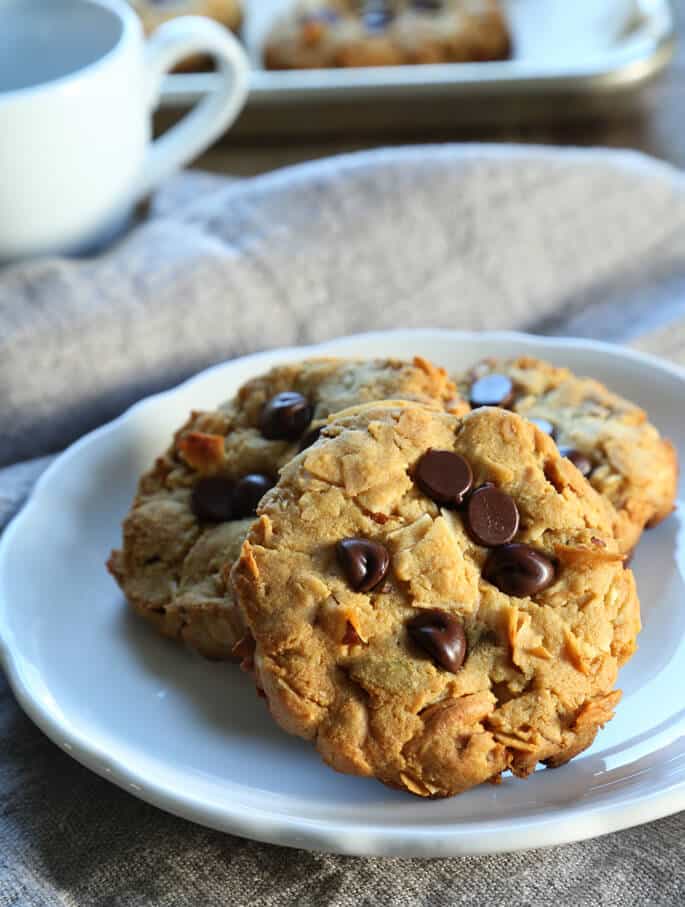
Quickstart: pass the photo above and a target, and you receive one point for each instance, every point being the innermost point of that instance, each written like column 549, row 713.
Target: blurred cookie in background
column 340, row 33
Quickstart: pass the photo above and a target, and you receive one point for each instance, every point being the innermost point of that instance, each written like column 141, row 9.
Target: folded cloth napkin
column 473, row 237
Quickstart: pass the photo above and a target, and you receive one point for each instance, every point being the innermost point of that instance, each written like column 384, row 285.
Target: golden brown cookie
column 607, row 437
column 435, row 646
column 334, row 33
column 190, row 512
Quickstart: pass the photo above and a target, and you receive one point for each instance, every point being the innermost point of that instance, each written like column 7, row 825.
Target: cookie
column 335, row 33
column 154, row 13
column 436, row 599
column 193, row 508
column 608, row 438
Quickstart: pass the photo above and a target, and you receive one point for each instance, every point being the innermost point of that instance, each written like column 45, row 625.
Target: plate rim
column 446, row 839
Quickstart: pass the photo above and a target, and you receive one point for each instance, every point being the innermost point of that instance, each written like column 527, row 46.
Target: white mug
column 78, row 84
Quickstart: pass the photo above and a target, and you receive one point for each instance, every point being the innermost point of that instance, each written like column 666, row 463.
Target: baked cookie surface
column 340, row 33
column 436, row 599
column 193, row 508
column 609, row 438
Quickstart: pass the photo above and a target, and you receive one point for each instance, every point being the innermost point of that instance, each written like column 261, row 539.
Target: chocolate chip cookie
column 606, row 437
column 436, row 599
column 334, row 33
column 193, row 508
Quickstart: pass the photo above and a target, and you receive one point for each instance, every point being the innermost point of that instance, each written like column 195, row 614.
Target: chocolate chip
column 519, row 570
column 582, row 463
column 442, row 636
column 248, row 492
column 365, row 562
column 285, row 416
column 492, row 390
column 212, row 499
column 444, row 476
column 310, row 438
column 545, row 425
column 492, row 517
column 377, row 19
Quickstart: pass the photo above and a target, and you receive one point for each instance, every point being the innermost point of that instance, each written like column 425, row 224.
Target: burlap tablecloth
column 591, row 243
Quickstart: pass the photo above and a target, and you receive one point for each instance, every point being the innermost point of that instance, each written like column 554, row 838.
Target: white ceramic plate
column 191, row 737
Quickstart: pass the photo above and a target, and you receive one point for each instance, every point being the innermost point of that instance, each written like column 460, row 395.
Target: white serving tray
column 581, row 51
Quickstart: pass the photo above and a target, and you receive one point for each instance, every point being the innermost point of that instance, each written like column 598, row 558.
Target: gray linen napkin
column 454, row 237
column 475, row 237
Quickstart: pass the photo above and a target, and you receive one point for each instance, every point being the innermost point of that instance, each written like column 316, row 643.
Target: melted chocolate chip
column 365, row 562
column 443, row 476
column 212, row 499
column 377, row 19
column 545, row 425
column 248, row 492
column 582, row 463
column 492, row 390
column 310, row 438
column 492, row 517
column 442, row 636
column 285, row 417
column 519, row 570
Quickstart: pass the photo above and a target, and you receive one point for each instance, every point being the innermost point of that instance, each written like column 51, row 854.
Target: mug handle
column 169, row 44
